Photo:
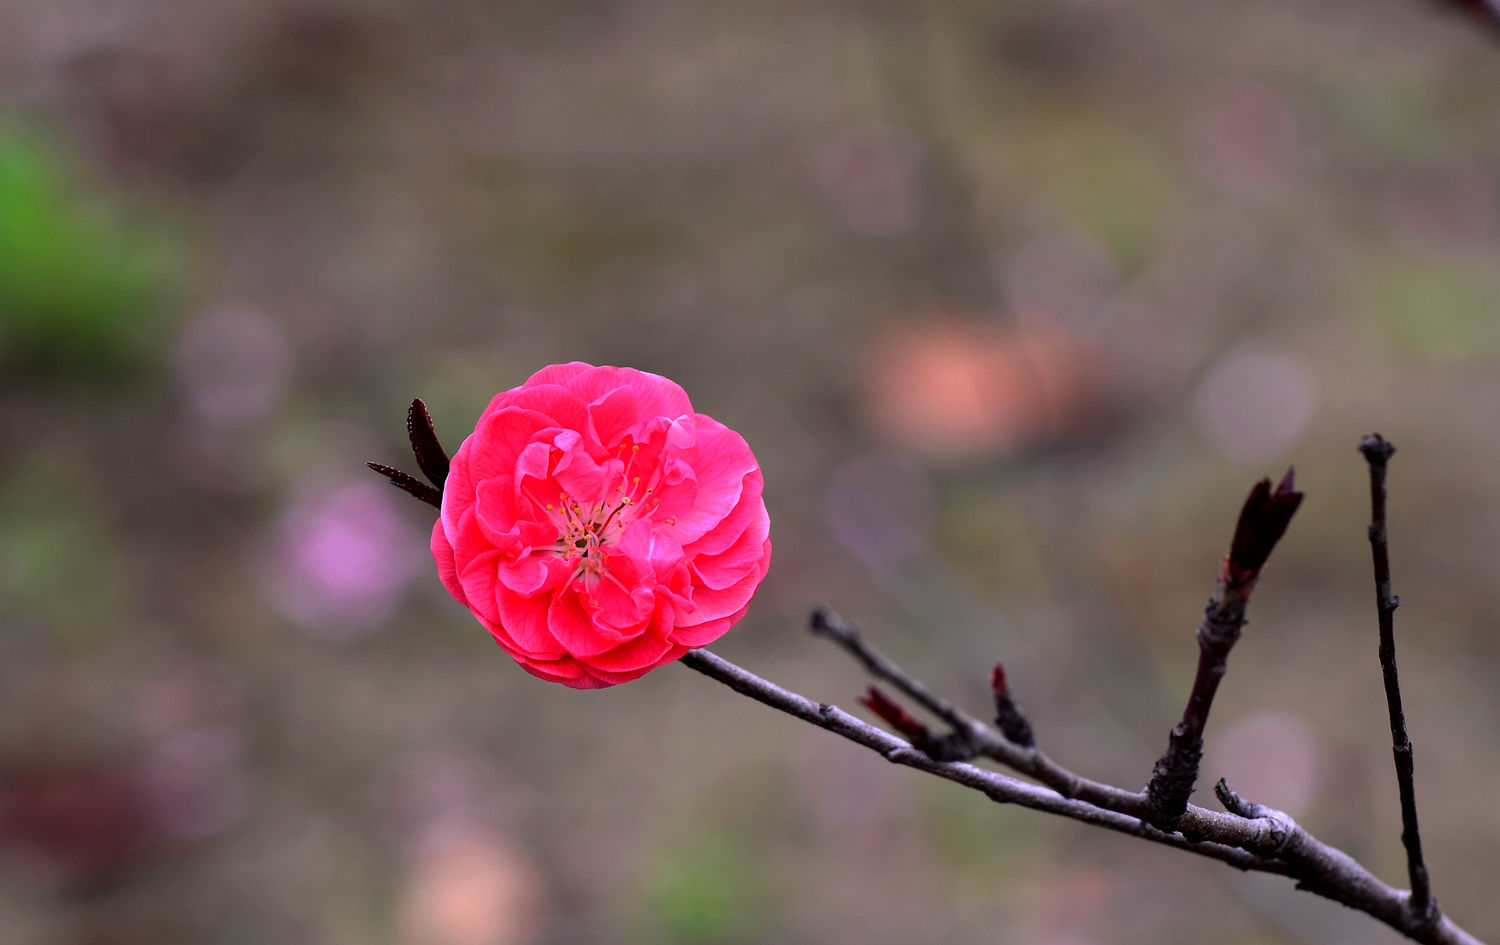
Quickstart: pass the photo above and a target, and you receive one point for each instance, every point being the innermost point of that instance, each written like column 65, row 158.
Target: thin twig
column 1377, row 452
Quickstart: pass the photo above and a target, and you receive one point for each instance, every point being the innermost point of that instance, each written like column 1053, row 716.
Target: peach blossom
column 598, row 527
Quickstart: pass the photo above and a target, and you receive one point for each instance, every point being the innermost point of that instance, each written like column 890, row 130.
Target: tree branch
column 997, row 787
column 1266, row 842
column 1377, row 452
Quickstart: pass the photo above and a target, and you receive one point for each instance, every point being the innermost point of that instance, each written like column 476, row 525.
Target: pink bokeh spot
column 598, row 527
column 341, row 562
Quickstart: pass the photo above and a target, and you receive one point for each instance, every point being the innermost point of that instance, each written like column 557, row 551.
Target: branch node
column 1280, row 828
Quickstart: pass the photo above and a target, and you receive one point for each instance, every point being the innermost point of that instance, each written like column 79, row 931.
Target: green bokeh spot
column 81, row 290
column 1435, row 309
column 977, row 842
column 704, row 890
column 59, row 565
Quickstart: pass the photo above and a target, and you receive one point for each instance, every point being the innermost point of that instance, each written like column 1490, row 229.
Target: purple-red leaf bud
column 1263, row 520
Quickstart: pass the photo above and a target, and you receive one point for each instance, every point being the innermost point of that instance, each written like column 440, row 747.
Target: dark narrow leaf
column 424, row 442
column 409, row 484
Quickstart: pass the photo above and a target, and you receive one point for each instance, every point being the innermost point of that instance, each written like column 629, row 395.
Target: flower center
column 585, row 529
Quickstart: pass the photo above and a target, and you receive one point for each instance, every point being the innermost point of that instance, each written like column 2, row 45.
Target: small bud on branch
column 1263, row 520
column 951, row 747
column 1008, row 716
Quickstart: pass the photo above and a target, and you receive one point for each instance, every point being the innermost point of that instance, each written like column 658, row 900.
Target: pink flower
column 598, row 527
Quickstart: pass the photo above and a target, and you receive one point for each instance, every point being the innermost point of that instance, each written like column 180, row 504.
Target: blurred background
column 1014, row 302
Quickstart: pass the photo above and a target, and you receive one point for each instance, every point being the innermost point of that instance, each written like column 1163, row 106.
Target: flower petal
column 655, row 395
column 525, row 620
column 711, row 603
column 728, row 566
column 571, row 623
column 442, row 553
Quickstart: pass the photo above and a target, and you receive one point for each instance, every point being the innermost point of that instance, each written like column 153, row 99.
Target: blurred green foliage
column 59, row 565
column 82, row 290
column 703, row 890
column 977, row 840
column 1441, row 310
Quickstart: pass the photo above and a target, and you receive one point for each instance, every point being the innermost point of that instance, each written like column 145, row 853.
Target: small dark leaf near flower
column 1263, row 520
column 409, row 484
column 431, row 457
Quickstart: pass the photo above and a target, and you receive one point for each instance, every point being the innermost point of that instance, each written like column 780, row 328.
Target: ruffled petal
column 554, row 401
column 525, row 621
column 728, row 566
column 720, row 464
column 556, row 374
column 655, row 395
column 641, row 653
column 442, row 553
column 711, row 603
column 571, row 622
column 569, row 672
column 707, row 632
column 729, row 529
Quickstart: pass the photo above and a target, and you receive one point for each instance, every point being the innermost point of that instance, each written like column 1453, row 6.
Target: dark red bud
column 997, row 680
column 1263, row 520
column 896, row 717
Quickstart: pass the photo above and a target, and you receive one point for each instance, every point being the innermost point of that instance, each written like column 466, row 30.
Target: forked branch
column 1249, row 836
